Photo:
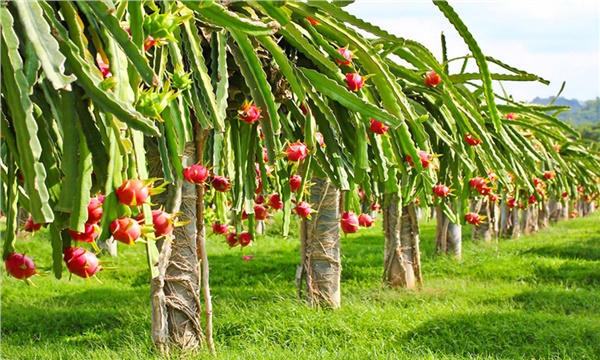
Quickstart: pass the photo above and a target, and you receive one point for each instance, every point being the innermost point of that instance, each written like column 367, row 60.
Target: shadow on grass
column 563, row 302
column 514, row 335
column 92, row 311
column 571, row 273
column 587, row 250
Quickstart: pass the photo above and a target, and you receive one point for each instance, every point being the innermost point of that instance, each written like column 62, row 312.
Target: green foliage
column 533, row 297
column 589, row 131
column 588, row 112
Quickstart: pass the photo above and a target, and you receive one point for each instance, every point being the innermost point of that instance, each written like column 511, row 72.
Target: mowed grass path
column 533, row 297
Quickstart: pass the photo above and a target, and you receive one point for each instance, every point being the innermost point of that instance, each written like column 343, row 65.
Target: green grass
column 534, row 297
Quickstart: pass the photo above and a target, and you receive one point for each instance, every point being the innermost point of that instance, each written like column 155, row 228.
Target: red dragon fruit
column 20, row 266
column 126, row 230
column 349, row 223
column 30, row 226
column 196, row 174
column 95, row 211
column 303, row 209
column 220, row 229
column 296, row 151
column 441, row 190
column 88, row 235
column 220, row 183
column 81, row 262
column 347, row 54
column 133, row 192
column 250, row 113
column 295, row 182
column 355, row 81
column 473, row 218
column 275, row 202
column 365, row 220
column 245, row 239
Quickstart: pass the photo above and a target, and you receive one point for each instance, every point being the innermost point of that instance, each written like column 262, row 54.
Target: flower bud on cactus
column 152, row 103
column 432, row 78
column 163, row 25
column 182, row 81
column 471, row 140
column 378, row 127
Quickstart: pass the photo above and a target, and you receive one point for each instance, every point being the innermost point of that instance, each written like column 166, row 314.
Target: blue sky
column 557, row 40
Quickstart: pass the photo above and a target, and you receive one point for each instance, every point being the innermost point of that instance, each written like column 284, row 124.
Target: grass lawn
column 534, row 297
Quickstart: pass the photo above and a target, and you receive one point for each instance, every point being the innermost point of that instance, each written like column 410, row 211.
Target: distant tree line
column 589, row 131
column 588, row 113
column 585, row 117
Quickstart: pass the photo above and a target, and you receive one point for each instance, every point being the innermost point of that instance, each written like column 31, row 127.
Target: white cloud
column 557, row 40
